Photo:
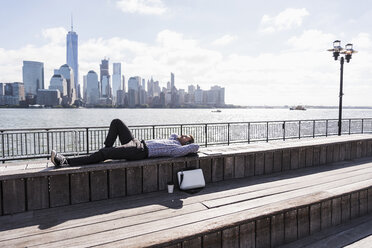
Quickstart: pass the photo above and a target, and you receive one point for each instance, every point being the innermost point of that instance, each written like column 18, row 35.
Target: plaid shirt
column 169, row 147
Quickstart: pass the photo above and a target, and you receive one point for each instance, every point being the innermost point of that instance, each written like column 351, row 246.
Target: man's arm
column 184, row 150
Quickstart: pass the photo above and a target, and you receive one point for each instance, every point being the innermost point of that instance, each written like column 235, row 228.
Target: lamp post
column 348, row 51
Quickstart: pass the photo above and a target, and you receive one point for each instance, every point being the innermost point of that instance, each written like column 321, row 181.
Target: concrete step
column 356, row 233
column 27, row 187
column 262, row 211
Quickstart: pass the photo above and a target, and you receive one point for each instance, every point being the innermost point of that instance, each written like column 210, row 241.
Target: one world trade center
column 72, row 56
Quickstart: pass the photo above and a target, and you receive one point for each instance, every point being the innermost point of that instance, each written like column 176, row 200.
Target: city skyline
column 65, row 91
column 264, row 54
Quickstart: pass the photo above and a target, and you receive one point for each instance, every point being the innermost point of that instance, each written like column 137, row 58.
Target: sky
column 271, row 52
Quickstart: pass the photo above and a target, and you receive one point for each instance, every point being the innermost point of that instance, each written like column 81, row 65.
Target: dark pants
column 130, row 149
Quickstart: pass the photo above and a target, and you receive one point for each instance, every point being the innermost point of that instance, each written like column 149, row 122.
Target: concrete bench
column 36, row 187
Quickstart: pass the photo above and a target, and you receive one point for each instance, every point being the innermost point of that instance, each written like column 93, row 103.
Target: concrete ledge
column 39, row 187
column 263, row 227
column 264, row 211
column 356, row 233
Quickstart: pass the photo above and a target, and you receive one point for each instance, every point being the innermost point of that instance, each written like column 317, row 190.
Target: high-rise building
column 142, row 96
column 67, row 72
column 173, row 90
column 50, row 97
column 85, row 87
column 181, row 98
column 105, row 78
column 92, row 90
column 116, row 80
column 216, row 96
column 191, row 89
column 134, row 83
column 157, row 89
column 2, row 99
column 150, row 88
column 1, row 89
column 120, row 98
column 168, row 98
column 105, row 91
column 58, row 82
column 123, row 80
column 12, row 93
column 133, row 91
column 33, row 76
column 172, row 82
column 72, row 56
column 19, row 91
column 198, row 95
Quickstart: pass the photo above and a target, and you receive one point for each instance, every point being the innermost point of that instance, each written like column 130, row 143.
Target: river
column 40, row 118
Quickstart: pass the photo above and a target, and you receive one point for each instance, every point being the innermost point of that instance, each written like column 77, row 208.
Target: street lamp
column 337, row 50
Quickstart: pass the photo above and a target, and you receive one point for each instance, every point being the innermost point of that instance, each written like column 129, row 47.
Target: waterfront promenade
column 262, row 195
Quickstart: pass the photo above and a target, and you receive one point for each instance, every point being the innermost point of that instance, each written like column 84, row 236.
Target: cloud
column 288, row 19
column 224, row 40
column 362, row 41
column 55, row 35
column 146, row 7
column 171, row 39
column 311, row 40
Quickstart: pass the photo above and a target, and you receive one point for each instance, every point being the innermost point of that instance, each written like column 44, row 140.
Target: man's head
column 186, row 139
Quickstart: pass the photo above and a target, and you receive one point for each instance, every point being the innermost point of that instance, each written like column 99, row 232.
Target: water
column 40, row 118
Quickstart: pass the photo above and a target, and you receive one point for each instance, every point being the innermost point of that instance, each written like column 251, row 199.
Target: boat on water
column 216, row 111
column 298, row 107
column 36, row 106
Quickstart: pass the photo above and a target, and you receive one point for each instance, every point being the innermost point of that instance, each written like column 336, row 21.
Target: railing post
column 313, row 128
column 48, row 147
column 267, row 131
column 326, row 128
column 349, row 126
column 181, row 130
column 77, row 143
column 87, row 139
column 249, row 132
column 206, row 134
column 283, row 130
column 299, row 129
column 153, row 132
column 3, row 145
column 228, row 134
column 362, row 125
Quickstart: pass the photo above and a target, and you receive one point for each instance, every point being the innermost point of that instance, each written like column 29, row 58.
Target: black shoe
column 58, row 160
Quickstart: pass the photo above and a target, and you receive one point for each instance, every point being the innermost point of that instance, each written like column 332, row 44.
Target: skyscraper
column 92, row 91
column 85, row 87
column 123, row 80
column 173, row 92
column 105, row 78
column 58, row 82
column 172, row 82
column 72, row 55
column 33, row 76
column 13, row 93
column 68, row 73
column 133, row 91
column 116, row 79
column 150, row 87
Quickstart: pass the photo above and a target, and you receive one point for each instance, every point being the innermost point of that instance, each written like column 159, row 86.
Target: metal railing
column 34, row 143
